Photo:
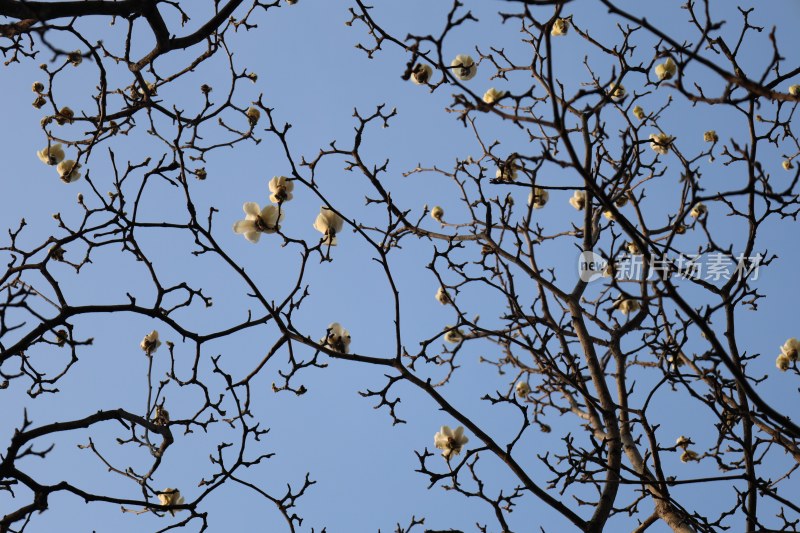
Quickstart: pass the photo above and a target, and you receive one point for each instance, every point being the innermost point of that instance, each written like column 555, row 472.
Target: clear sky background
column 311, row 74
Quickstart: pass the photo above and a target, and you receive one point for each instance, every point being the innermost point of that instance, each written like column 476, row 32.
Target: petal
column 321, row 223
column 251, row 208
column 252, row 236
column 458, row 433
column 244, row 226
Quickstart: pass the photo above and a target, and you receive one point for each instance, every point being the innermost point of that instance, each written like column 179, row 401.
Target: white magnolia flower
column 538, row 198
column 689, row 455
column 258, row 221
column 464, row 67
column 51, row 155
column 453, row 336
column 578, row 200
column 171, row 497
column 150, row 343
column 638, row 112
column 329, row 224
column 508, row 172
column 560, row 27
column 628, row 306
column 666, row 70
column 783, row 362
column 698, row 210
column 281, row 188
column 682, row 441
column 787, row 164
column 442, row 297
column 253, row 115
column 617, row 91
column 421, row 74
column 791, row 349
column 794, row 90
column 710, row 136
column 493, row 95
column 449, row 441
column 437, row 213
column 69, row 171
column 523, row 389
column 338, row 338
column 660, row 142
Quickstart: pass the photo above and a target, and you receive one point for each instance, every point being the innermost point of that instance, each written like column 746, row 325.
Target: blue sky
column 311, row 74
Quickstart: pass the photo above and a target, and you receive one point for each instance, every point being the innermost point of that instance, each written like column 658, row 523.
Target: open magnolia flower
column 508, row 172
column 449, row 441
column 258, row 221
column 617, row 91
column 660, row 142
column 578, row 200
column 627, row 306
column 338, row 338
column 437, row 213
column 783, row 362
column 560, row 27
column 421, row 74
column 682, row 441
column 171, row 497
column 523, row 389
column 281, row 188
column 493, row 95
column 794, row 90
column 638, row 112
column 253, row 115
column 464, row 67
column 69, row 171
column 710, row 136
column 698, row 210
column 150, row 342
column 689, row 455
column 666, row 70
column 538, row 198
column 329, row 224
column 791, row 348
column 51, row 155
column 442, row 297
column 454, row 335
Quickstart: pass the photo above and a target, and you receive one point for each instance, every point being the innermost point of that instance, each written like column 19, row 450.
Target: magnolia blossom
column 442, row 297
column 39, row 103
column 253, row 115
column 258, row 221
column 507, row 172
column 698, row 210
column 578, row 200
column 689, row 455
column 538, row 198
column 523, row 389
column 783, row 362
column 609, row 215
column 464, row 67
column 682, row 441
column 666, row 70
column 69, row 171
column 449, row 441
column 170, row 497
column 787, row 164
column 76, row 58
column 638, row 112
column 710, row 136
column 609, row 270
column 660, row 142
column 493, row 95
column 329, row 224
column 64, row 116
column 51, row 155
column 453, row 335
column 632, row 248
column 281, row 188
column 421, row 74
column 791, row 349
column 150, row 343
column 437, row 213
column 628, row 306
column 37, row 87
column 617, row 91
column 794, row 90
column 338, row 338
column 560, row 27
